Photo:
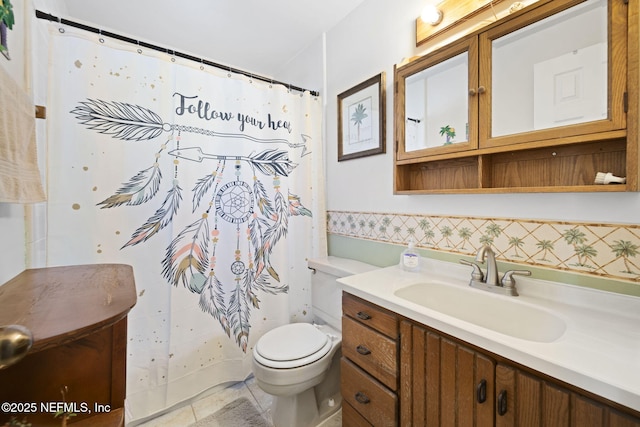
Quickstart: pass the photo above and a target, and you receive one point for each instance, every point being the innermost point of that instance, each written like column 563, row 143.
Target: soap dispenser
column 410, row 260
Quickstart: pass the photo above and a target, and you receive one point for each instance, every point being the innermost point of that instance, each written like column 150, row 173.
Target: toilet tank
column 326, row 292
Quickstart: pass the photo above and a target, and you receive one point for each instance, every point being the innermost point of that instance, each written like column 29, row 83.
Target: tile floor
column 199, row 409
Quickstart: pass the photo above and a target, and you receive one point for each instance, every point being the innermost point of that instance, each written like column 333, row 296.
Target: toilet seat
column 292, row 346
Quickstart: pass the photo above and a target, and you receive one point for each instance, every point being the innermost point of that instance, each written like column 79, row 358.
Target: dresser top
column 62, row 304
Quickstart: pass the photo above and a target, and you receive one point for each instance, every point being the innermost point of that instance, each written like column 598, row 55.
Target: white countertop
column 598, row 352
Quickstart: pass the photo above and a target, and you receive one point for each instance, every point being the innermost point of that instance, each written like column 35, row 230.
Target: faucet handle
column 477, row 273
column 508, row 281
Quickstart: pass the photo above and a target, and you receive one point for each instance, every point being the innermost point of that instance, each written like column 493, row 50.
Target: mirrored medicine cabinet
column 540, row 101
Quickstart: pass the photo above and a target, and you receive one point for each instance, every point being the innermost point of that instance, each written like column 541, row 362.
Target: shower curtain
column 208, row 183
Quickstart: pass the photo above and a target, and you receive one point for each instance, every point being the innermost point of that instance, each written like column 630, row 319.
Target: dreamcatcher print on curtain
column 202, row 180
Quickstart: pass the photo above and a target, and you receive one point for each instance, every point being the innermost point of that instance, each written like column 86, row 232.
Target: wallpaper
column 601, row 250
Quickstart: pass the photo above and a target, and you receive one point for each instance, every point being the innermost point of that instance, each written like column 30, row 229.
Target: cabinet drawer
column 352, row 418
column 371, row 315
column 372, row 351
column 377, row 404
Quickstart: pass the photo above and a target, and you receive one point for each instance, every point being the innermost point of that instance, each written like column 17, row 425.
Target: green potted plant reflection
column 449, row 132
column 65, row 415
column 14, row 422
column 7, row 20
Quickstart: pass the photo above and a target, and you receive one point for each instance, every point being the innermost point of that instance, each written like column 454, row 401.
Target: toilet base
column 303, row 409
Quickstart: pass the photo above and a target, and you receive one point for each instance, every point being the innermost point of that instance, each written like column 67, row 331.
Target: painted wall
column 377, row 35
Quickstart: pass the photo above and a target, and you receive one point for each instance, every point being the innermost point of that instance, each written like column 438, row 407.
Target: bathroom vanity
column 417, row 351
column 78, row 318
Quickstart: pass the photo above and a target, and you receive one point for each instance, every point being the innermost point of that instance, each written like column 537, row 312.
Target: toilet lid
column 292, row 345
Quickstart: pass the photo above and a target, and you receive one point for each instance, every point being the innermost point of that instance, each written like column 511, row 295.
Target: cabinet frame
column 469, row 45
column 617, row 81
column 609, row 145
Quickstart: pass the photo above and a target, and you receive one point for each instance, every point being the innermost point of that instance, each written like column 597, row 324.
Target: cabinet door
column 587, row 412
column 436, row 102
column 442, row 382
column 557, row 72
column 524, row 400
column 527, row 401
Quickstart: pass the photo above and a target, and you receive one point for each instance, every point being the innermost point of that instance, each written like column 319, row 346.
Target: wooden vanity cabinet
column 369, row 365
column 492, row 156
column 78, row 318
column 523, row 399
column 445, row 382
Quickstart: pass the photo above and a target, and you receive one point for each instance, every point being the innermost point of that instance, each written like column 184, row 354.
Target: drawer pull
column 481, row 391
column 362, row 398
column 363, row 316
column 502, row 403
column 363, row 350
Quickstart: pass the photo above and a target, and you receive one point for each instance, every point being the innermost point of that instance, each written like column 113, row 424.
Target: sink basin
column 505, row 315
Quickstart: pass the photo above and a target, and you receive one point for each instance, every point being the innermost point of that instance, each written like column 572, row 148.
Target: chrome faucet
column 489, row 281
column 491, row 277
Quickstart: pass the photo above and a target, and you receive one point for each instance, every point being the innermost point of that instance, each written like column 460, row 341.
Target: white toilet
column 299, row 363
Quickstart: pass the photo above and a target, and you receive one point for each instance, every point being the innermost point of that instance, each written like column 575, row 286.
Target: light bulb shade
column 431, row 15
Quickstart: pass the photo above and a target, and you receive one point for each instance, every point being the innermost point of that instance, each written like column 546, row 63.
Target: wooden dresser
column 370, row 365
column 78, row 318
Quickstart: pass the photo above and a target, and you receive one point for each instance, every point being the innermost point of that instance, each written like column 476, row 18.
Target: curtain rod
column 50, row 17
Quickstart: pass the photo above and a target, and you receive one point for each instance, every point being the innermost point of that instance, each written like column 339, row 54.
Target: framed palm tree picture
column 361, row 119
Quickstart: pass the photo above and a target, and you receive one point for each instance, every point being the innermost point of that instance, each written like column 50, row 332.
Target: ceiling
column 258, row 36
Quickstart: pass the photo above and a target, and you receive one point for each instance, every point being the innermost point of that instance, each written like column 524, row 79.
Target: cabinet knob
column 362, row 398
column 482, row 89
column 472, row 92
column 363, row 350
column 481, row 391
column 502, row 403
column 362, row 315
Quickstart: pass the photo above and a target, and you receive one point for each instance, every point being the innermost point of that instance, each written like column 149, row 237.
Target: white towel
column 19, row 174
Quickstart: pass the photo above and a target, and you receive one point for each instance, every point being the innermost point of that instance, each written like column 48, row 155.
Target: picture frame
column 361, row 119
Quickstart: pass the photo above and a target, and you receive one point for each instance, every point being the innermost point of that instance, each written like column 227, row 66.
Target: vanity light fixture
column 431, row 15
column 441, row 15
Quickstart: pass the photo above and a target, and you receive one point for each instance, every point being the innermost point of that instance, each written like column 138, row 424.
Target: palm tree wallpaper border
column 361, row 119
column 602, row 250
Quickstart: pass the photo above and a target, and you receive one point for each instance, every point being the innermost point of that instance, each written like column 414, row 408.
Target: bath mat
column 239, row 413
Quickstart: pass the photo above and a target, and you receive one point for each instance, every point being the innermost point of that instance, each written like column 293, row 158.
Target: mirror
column 437, row 104
column 516, row 81
column 551, row 73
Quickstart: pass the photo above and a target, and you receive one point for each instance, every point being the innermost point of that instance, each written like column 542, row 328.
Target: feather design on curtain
column 140, row 189
column 163, row 217
column 187, row 257
column 190, row 259
column 119, row 119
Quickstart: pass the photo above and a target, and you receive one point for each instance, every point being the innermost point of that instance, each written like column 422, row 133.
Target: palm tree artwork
column 358, row 117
